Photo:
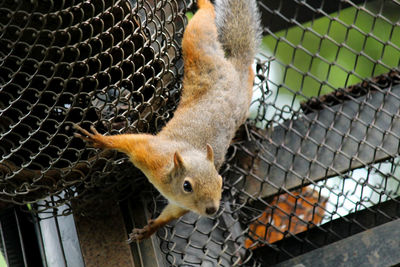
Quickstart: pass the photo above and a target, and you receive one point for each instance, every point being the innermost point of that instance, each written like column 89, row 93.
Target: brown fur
column 182, row 161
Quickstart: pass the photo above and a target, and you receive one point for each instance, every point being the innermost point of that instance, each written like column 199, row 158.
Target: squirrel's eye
column 187, row 187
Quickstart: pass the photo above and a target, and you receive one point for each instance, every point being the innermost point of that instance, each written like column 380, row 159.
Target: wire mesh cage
column 316, row 162
column 113, row 63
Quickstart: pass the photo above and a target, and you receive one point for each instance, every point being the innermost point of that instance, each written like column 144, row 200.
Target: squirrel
column 183, row 159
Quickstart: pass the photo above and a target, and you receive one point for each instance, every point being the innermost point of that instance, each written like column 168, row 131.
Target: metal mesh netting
column 316, row 162
column 112, row 63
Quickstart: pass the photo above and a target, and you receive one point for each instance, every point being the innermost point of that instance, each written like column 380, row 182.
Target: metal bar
column 375, row 247
column 51, row 241
column 28, row 237
column 126, row 212
column 12, row 237
column 155, row 244
column 148, row 250
column 280, row 15
column 5, row 254
column 325, row 143
column 59, row 238
column 21, row 239
column 40, row 239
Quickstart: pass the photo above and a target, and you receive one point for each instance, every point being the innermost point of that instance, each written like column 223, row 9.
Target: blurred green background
column 2, row 261
column 335, row 51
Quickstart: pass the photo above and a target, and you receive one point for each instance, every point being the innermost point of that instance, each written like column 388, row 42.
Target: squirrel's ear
column 210, row 153
column 178, row 161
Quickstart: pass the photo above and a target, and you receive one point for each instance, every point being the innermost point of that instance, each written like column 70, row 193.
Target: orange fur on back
column 199, row 33
column 182, row 161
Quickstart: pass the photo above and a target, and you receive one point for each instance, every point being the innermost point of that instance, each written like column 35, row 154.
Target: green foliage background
column 335, row 51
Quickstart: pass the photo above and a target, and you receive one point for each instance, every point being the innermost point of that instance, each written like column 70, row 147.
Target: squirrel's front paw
column 140, row 234
column 93, row 137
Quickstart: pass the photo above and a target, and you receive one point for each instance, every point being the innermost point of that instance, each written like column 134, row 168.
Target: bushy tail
column 239, row 30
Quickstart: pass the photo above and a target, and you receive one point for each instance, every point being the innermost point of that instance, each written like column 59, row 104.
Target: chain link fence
column 116, row 64
column 316, row 162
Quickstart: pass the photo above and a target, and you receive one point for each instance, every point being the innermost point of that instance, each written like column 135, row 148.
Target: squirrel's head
column 195, row 182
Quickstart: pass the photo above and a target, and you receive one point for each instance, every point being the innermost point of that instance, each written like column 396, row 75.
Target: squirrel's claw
column 93, row 130
column 92, row 137
column 138, row 234
column 85, row 135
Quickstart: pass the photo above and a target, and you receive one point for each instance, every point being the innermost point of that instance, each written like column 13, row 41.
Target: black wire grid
column 316, row 162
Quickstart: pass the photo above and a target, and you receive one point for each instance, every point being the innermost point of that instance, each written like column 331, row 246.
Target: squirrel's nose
column 211, row 210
